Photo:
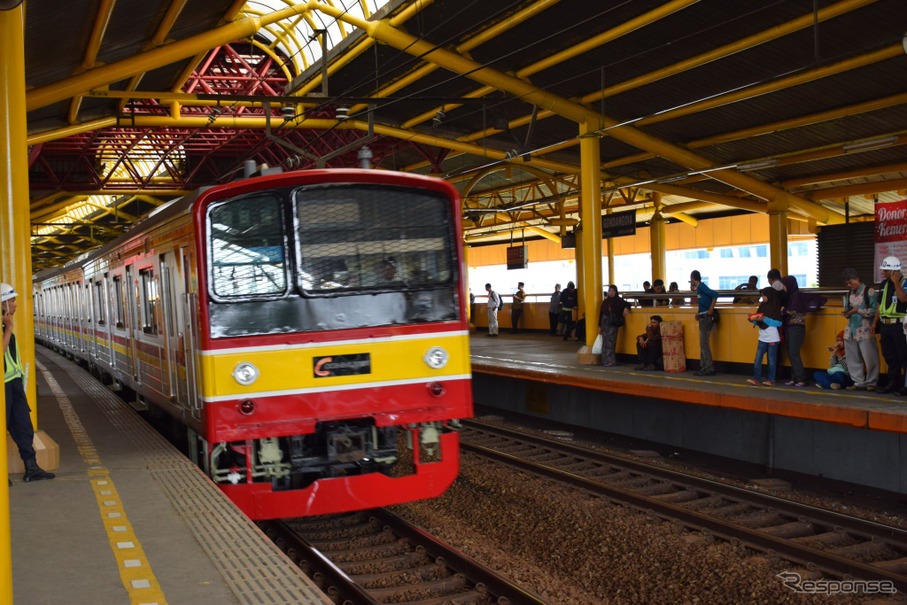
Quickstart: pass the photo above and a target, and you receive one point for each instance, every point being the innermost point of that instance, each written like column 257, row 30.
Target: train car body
column 309, row 329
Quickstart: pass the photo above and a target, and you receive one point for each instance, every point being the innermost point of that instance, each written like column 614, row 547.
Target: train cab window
column 247, row 247
column 365, row 238
column 150, row 301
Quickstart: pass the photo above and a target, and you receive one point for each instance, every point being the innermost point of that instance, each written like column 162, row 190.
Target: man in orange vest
column 18, row 420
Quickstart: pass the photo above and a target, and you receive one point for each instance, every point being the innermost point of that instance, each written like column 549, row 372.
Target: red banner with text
column 891, row 232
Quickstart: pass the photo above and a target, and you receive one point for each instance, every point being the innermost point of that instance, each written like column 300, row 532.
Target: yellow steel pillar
column 610, row 248
column 657, row 240
column 580, row 264
column 590, row 213
column 465, row 270
column 777, row 236
column 15, row 249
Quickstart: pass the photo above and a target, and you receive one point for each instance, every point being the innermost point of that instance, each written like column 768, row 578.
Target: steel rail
column 799, row 553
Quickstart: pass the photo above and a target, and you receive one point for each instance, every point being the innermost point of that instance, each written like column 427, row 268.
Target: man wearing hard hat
column 889, row 322
column 18, row 419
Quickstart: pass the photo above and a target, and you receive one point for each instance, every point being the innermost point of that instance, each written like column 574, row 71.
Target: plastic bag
column 597, row 345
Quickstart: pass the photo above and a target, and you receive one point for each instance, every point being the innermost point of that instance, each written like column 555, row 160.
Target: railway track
column 817, row 539
column 373, row 557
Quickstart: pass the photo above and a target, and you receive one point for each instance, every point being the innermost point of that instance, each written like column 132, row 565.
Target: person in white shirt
column 494, row 303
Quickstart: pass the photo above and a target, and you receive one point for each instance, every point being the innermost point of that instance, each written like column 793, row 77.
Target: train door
column 188, row 336
column 169, row 376
column 71, row 314
column 91, row 343
column 78, row 318
column 132, row 327
column 105, row 323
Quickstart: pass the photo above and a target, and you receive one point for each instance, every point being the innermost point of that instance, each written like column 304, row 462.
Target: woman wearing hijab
column 610, row 318
column 796, row 306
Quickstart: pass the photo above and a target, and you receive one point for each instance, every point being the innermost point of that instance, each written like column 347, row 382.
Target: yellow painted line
column 135, row 570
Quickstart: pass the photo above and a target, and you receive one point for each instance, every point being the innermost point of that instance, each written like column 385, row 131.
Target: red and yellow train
column 309, row 329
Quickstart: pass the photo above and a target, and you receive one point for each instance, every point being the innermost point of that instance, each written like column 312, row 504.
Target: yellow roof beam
column 48, row 94
column 566, row 54
column 571, row 110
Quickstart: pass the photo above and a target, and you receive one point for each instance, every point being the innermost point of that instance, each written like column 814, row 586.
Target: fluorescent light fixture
column 869, row 144
column 707, row 170
column 671, row 179
column 758, row 165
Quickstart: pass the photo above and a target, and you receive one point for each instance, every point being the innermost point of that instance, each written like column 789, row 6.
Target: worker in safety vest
column 889, row 322
column 18, row 420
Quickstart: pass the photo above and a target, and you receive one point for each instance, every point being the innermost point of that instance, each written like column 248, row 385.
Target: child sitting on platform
column 837, row 376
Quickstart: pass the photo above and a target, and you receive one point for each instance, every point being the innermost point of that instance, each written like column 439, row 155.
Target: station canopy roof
column 697, row 108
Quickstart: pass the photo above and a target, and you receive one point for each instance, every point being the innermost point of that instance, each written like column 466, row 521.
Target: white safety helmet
column 890, row 263
column 7, row 292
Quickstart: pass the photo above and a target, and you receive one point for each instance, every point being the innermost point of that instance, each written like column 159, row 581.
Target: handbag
column 617, row 320
column 597, row 345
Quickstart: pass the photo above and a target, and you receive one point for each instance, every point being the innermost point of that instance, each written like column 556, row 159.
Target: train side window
column 99, row 308
column 150, row 301
column 118, row 300
column 248, row 247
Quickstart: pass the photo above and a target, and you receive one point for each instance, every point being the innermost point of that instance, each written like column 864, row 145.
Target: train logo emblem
column 342, row 365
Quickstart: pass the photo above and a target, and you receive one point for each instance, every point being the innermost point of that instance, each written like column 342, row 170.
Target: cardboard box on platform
column 585, row 357
column 46, row 448
column 672, row 346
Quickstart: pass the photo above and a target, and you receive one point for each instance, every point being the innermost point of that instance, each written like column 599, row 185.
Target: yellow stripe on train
column 283, row 369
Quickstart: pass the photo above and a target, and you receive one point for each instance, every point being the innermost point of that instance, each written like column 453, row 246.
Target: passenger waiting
column 837, row 375
column 768, row 319
column 859, row 342
column 611, row 317
column 648, row 346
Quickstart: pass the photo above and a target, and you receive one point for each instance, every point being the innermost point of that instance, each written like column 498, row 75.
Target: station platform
column 855, row 436
column 128, row 519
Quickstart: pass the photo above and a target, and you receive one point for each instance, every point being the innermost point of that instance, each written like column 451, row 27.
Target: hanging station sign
column 517, row 257
column 619, row 224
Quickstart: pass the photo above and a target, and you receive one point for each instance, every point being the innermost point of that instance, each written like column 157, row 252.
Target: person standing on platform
column 569, row 302
column 516, row 308
column 646, row 289
column 751, row 284
column 796, row 306
column 707, row 316
column 611, row 317
column 769, row 334
column 675, row 301
column 494, row 304
column 859, row 342
column 889, row 318
column 658, row 287
column 554, row 309
column 18, row 419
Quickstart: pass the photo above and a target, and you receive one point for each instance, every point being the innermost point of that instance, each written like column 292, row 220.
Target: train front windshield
column 328, row 257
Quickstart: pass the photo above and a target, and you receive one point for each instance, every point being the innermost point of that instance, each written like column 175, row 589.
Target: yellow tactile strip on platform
column 135, row 571
column 254, row 569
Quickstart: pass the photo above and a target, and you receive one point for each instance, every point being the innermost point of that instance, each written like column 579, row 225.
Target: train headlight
column 245, row 373
column 436, row 358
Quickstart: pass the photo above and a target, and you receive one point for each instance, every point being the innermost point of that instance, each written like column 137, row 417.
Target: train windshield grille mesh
column 372, row 238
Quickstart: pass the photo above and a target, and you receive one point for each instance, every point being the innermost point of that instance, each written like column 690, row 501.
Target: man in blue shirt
column 707, row 299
